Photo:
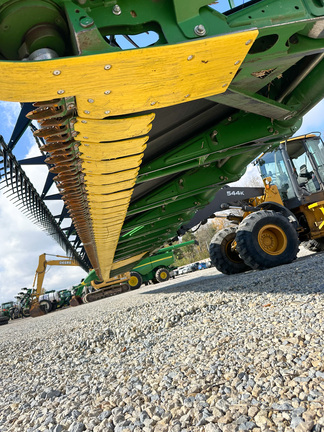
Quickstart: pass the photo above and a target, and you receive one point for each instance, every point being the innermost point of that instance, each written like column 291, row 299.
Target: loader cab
column 296, row 167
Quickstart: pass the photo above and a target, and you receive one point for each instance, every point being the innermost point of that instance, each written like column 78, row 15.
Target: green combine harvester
column 156, row 268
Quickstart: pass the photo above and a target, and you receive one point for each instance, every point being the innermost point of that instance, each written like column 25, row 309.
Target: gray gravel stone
column 77, row 427
column 240, row 353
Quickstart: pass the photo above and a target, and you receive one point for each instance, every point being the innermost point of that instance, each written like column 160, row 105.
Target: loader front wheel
column 223, row 256
column 267, row 239
column 135, row 280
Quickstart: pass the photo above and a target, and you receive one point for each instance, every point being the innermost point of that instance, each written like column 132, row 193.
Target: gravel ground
column 205, row 352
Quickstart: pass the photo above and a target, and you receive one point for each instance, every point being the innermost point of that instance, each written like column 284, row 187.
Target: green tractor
column 22, row 307
column 5, row 308
column 156, row 268
column 5, row 312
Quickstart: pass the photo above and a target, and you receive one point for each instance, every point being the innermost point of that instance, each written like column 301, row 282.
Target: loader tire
column 4, row 320
column 266, row 239
column 135, row 280
column 221, row 254
column 162, row 275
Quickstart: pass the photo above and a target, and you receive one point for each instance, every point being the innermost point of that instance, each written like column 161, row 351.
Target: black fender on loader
column 222, row 256
column 267, row 239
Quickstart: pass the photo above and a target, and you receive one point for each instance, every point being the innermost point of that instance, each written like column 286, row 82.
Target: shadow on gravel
column 303, row 276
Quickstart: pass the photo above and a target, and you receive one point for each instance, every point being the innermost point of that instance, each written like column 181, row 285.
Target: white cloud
column 313, row 120
column 21, row 241
column 9, row 113
column 21, row 244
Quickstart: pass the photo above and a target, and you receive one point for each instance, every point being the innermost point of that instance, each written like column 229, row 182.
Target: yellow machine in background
column 42, row 306
column 42, row 303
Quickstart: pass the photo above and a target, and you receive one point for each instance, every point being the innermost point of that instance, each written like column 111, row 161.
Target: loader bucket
column 36, row 310
column 76, row 301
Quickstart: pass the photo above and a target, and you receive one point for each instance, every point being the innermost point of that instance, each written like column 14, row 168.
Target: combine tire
column 135, row 280
column 45, row 305
column 266, row 239
column 4, row 320
column 162, row 275
column 221, row 254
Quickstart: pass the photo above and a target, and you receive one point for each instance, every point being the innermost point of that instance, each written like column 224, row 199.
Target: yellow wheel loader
column 290, row 211
column 276, row 218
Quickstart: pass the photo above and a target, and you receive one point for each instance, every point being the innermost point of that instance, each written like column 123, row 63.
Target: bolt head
column 86, row 112
column 116, row 10
column 90, row 100
column 107, row 67
column 107, row 112
column 107, row 92
column 56, row 72
column 86, row 22
column 200, row 30
column 190, row 57
column 60, row 92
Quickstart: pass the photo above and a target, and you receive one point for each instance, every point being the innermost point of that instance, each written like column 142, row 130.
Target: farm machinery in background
column 156, row 268
column 5, row 312
column 43, row 302
column 92, row 289
column 138, row 138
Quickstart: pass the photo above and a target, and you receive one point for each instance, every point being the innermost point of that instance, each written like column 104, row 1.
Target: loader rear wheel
column 162, row 275
column 267, row 239
column 222, row 256
column 135, row 280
